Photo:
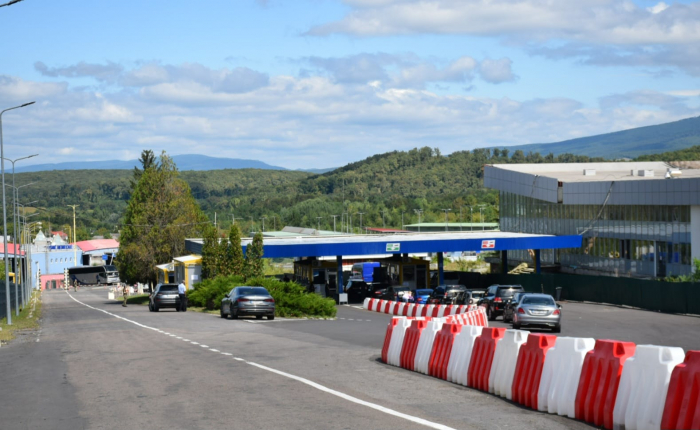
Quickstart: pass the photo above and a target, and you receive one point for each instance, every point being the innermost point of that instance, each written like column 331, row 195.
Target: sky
column 322, row 83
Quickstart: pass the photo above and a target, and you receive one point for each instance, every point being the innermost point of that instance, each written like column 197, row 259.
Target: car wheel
column 490, row 314
column 516, row 326
column 259, row 317
column 221, row 312
column 150, row 307
column 234, row 315
column 270, row 317
column 155, row 308
column 556, row 329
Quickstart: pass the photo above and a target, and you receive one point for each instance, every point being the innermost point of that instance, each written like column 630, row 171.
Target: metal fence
column 3, row 303
column 670, row 297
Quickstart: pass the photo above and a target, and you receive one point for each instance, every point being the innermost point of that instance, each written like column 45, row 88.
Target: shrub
column 291, row 299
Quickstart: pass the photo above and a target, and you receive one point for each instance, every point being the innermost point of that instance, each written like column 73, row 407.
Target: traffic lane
column 129, row 376
column 631, row 325
column 351, row 369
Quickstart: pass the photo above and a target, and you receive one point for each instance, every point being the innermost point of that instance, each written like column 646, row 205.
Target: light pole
column 334, row 217
column 481, row 216
column 383, row 223
column 360, row 213
column 471, row 218
column 75, row 250
column 17, row 268
column 318, row 226
column 4, row 206
column 263, row 223
column 419, row 212
column 460, row 218
column 446, row 210
column 402, row 224
column 27, row 280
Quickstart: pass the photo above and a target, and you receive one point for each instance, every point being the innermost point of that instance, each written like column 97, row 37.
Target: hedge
column 291, row 299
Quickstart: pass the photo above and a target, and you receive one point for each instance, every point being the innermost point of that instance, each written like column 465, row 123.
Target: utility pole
column 318, row 220
column 334, row 217
column 383, row 223
column 263, row 222
column 360, row 213
column 446, row 210
column 75, row 250
column 402, row 224
column 419, row 212
column 481, row 216
column 233, row 219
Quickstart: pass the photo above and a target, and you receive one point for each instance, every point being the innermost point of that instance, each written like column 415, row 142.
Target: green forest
column 385, row 189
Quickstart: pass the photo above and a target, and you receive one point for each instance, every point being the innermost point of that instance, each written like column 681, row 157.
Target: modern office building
column 638, row 219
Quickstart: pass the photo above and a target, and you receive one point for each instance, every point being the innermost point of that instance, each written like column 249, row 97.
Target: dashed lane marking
column 312, row 384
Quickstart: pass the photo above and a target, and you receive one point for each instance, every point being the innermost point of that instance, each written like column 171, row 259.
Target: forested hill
column 688, row 154
column 383, row 188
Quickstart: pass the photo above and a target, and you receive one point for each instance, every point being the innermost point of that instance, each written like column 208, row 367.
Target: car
column 248, row 301
column 449, row 295
column 510, row 305
column 357, row 289
column 494, row 300
column 537, row 310
column 164, row 296
column 476, row 295
column 421, row 295
column 390, row 292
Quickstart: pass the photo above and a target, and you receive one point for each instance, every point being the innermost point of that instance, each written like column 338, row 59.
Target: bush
column 291, row 299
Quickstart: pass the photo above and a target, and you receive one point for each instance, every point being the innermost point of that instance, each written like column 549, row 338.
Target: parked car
column 390, row 292
column 537, row 310
column 248, row 301
column 357, row 290
column 476, row 295
column 421, row 296
column 449, row 295
column 509, row 306
column 164, row 296
column 494, row 300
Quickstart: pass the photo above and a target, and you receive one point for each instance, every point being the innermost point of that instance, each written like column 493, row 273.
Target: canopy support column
column 504, row 262
column 441, row 271
column 339, row 276
column 538, row 262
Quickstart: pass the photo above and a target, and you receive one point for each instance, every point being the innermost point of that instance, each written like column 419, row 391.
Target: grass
column 21, row 322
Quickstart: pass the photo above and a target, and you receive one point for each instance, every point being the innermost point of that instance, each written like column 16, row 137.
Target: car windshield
column 544, row 301
column 439, row 290
column 248, row 291
column 168, row 289
column 423, row 292
column 456, row 288
column 508, row 292
column 477, row 294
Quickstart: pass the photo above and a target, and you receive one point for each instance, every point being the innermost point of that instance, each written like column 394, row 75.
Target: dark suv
column 449, row 295
column 496, row 297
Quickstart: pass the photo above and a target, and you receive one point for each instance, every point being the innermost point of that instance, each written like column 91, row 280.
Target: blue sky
column 320, row 83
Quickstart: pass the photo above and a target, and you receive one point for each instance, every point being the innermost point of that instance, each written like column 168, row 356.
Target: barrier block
column 560, row 375
column 384, row 308
column 482, row 357
column 407, row 308
column 528, row 369
column 682, row 406
column 444, row 310
column 504, row 361
column 600, row 378
column 458, row 367
column 397, row 338
column 427, row 310
column 418, row 310
column 410, row 343
column 425, row 345
column 387, row 338
column 366, row 302
column 442, row 350
column 641, row 395
column 390, row 307
column 398, row 308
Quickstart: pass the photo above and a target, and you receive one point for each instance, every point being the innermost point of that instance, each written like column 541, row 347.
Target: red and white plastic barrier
column 415, row 310
column 458, row 368
column 504, row 361
column 528, row 370
column 682, row 408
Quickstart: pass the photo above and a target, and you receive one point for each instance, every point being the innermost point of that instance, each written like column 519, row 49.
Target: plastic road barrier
column 461, row 356
column 425, row 345
column 641, row 395
column 444, row 310
column 398, row 308
column 417, row 310
column 600, row 378
column 374, row 305
column 410, row 343
column 366, row 302
column 442, row 350
column 397, row 337
column 560, row 375
column 482, row 357
column 682, row 408
column 387, row 338
column 407, row 309
column 427, row 310
column 504, row 362
column 390, row 307
column 528, row 370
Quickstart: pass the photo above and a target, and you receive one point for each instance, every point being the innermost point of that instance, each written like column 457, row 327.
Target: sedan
column 422, row 296
column 537, row 310
column 164, row 296
column 248, row 301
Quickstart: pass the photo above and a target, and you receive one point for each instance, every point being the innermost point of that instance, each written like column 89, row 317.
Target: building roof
column 454, row 224
column 372, row 244
column 385, row 230
column 10, row 249
column 188, row 259
column 97, row 244
column 615, row 183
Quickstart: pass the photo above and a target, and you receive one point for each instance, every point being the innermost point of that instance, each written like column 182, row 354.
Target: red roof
column 10, row 249
column 93, row 245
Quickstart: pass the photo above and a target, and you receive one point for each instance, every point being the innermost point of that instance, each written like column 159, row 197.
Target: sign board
column 105, row 257
column 393, row 247
column 488, row 244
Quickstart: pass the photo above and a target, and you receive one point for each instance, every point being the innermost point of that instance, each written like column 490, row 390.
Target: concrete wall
column 695, row 232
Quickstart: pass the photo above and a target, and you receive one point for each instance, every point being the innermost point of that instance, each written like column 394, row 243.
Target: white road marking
column 214, row 350
column 227, row 353
column 204, row 346
column 319, row 387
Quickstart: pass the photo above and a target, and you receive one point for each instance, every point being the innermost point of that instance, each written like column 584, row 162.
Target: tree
column 209, row 253
column 160, row 214
column 221, row 249
column 148, row 159
column 234, row 256
column 254, row 266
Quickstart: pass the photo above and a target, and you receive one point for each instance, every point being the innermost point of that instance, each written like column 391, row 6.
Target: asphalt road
column 99, row 365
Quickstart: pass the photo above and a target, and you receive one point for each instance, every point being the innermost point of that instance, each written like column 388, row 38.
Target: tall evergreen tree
column 222, row 245
column 147, row 160
column 209, row 253
column 234, row 256
column 160, row 214
column 254, row 266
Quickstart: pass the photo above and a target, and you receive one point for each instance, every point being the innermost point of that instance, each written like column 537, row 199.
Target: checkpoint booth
column 188, row 269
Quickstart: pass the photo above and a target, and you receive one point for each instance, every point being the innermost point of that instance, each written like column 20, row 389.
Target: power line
column 10, row 3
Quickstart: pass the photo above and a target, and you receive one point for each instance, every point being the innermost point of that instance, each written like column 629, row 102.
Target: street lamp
column 383, row 223
column 446, row 210
column 318, row 220
column 4, row 206
column 75, row 250
column 481, row 216
column 360, row 213
column 263, row 223
column 15, row 211
column 419, row 212
column 334, row 217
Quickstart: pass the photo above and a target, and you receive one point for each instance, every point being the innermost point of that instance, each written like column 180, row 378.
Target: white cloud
column 497, row 71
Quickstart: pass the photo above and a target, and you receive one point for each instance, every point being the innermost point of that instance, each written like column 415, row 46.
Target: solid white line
column 320, row 387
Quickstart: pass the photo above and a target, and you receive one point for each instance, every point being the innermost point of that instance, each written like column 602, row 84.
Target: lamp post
column 334, row 217
column 383, row 223
column 17, row 268
column 419, row 212
column 75, row 250
column 402, row 224
column 471, row 219
column 481, row 216
column 27, row 280
column 446, row 210
column 263, row 223
column 318, row 225
column 360, row 213
column 4, row 207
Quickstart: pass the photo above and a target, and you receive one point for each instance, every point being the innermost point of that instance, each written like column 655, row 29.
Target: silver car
column 245, row 301
column 537, row 310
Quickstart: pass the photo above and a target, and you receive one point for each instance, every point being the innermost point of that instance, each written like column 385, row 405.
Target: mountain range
column 631, row 143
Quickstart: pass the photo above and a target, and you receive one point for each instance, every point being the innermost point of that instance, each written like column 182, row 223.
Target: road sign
column 488, row 244
column 393, row 247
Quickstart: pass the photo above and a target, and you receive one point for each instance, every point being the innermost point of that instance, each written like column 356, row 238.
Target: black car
column 496, row 297
column 165, row 296
column 390, row 292
column 245, row 301
column 449, row 295
column 357, row 290
column 510, row 306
